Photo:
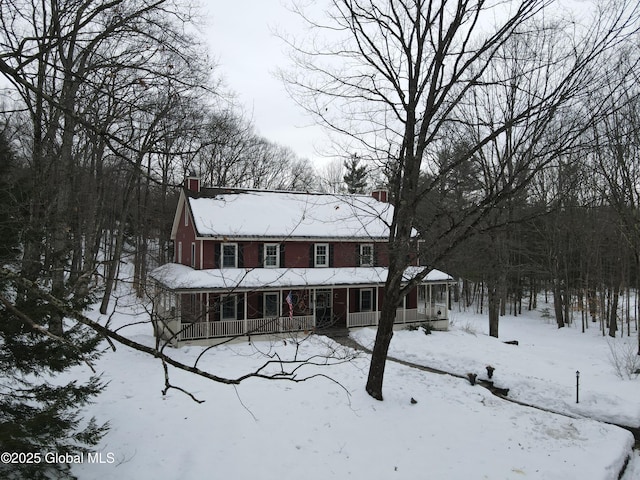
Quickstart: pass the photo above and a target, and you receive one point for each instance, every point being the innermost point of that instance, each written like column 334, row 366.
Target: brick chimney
column 381, row 194
column 192, row 183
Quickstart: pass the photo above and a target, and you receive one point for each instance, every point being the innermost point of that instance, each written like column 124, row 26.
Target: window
column 366, row 255
column 193, row 254
column 271, row 255
column 366, row 300
column 321, row 255
column 229, row 255
column 271, row 305
column 186, row 215
column 179, row 252
column 229, row 307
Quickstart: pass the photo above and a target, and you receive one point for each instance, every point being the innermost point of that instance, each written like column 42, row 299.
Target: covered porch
column 195, row 315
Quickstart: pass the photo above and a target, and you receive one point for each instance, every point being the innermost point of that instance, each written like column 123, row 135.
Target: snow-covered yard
column 321, row 429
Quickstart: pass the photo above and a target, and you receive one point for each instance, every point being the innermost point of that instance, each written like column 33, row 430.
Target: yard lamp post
column 577, row 386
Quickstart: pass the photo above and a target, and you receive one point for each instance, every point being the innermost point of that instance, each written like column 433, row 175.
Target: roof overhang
column 179, row 278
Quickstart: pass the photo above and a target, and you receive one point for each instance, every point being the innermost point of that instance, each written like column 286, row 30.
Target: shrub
column 624, row 358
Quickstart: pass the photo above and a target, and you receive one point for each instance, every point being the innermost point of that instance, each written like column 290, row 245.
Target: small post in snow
column 577, row 386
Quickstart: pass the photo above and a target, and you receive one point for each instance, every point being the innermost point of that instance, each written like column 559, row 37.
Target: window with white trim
column 229, row 255
column 366, row 255
column 229, row 308
column 271, row 303
column 366, row 299
column 179, row 252
column 193, row 254
column 186, row 215
column 321, row 255
column 271, row 255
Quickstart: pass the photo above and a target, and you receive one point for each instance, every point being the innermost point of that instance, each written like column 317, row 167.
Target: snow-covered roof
column 259, row 213
column 181, row 277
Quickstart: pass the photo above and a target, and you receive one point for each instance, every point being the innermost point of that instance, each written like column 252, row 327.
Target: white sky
column 241, row 40
column 248, row 53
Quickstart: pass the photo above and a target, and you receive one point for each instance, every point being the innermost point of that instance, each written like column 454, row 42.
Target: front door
column 324, row 317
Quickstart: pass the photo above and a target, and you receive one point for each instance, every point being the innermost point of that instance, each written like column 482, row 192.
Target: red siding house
column 250, row 262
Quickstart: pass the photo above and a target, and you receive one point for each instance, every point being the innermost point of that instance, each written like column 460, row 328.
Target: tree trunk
column 390, row 302
column 613, row 312
column 557, row 304
column 494, row 309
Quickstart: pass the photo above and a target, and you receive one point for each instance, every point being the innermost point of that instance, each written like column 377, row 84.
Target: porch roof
column 181, row 277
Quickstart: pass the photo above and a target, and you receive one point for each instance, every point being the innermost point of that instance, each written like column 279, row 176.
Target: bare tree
column 332, row 177
column 393, row 74
column 95, row 78
column 616, row 149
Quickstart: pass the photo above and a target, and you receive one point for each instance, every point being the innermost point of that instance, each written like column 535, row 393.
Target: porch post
column 246, row 309
column 446, row 307
column 206, row 315
column 347, row 312
column 280, row 312
column 314, row 299
column 377, row 309
column 178, row 314
column 404, row 309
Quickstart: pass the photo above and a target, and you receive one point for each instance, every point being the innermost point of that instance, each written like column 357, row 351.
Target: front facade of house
column 252, row 262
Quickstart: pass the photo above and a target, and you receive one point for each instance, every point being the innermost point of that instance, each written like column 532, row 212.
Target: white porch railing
column 305, row 322
column 362, row 319
column 231, row 328
column 410, row 315
column 437, row 310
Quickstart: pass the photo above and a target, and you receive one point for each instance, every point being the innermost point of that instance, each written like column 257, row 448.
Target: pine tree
column 356, row 176
column 39, row 414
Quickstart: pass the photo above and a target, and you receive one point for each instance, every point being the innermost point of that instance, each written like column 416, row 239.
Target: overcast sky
column 241, row 39
column 247, row 53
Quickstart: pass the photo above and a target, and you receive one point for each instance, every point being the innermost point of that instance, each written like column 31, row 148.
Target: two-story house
column 252, row 262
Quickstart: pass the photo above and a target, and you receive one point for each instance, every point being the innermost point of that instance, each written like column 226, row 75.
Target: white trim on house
column 317, row 255
column 275, row 256
column 362, row 260
column 223, row 256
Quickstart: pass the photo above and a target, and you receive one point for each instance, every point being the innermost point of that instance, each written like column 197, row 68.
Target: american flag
column 290, row 302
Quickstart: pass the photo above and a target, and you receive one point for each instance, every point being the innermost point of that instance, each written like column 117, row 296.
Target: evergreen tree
column 39, row 413
column 356, row 176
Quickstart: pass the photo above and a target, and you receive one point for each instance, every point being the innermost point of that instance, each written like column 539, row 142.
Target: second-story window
column 366, row 255
column 229, row 255
column 321, row 255
column 271, row 255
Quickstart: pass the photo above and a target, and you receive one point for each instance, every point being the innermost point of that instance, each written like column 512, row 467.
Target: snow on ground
column 540, row 371
column 321, row 429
